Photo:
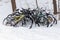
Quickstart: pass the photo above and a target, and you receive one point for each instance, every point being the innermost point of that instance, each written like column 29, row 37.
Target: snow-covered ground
column 37, row 33
column 23, row 33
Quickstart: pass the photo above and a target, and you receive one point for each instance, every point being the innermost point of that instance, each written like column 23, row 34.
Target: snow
column 37, row 33
column 23, row 33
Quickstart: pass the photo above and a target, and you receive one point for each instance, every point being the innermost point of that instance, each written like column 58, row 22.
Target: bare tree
column 55, row 6
column 13, row 4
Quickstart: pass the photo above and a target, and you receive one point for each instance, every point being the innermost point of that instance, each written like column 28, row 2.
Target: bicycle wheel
column 24, row 22
column 44, row 21
column 51, row 20
column 7, row 19
column 27, row 22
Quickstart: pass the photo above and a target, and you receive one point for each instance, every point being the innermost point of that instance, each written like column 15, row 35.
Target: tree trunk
column 13, row 5
column 55, row 6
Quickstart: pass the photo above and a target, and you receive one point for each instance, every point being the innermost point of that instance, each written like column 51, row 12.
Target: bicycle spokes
column 28, row 17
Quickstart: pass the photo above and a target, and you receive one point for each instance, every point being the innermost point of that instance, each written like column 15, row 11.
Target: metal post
column 37, row 4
